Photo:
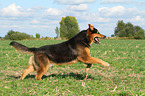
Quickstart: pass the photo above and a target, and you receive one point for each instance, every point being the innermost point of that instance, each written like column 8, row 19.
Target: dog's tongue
column 97, row 39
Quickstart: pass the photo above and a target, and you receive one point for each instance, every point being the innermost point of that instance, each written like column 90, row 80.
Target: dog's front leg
column 92, row 60
column 87, row 69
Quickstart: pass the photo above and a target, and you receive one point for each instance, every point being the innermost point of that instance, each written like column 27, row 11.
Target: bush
column 12, row 35
column 112, row 35
column 37, row 35
column 19, row 36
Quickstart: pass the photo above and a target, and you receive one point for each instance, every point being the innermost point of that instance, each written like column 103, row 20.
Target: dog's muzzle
column 96, row 40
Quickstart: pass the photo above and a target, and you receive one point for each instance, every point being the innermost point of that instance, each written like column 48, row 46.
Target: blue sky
column 42, row 16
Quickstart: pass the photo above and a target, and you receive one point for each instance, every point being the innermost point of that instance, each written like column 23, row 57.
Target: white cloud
column 89, row 17
column 118, row 11
column 13, row 11
column 114, row 11
column 15, row 26
column 117, row 1
column 35, row 9
column 80, row 7
column 52, row 12
column 138, row 18
column 74, row 1
column 11, row 26
column 137, row 2
column 141, row 3
column 49, row 22
column 40, row 26
column 35, row 21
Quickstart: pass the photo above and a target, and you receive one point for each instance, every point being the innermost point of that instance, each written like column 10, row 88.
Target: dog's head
column 94, row 34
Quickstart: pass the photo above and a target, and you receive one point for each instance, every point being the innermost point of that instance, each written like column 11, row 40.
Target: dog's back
column 58, row 53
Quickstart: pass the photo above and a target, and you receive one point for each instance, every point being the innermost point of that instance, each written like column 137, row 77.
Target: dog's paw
column 106, row 64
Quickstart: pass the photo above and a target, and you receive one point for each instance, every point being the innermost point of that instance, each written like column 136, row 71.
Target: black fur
column 22, row 47
column 65, row 51
column 94, row 31
column 62, row 52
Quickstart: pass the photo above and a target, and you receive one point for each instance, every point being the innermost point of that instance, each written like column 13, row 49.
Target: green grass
column 124, row 77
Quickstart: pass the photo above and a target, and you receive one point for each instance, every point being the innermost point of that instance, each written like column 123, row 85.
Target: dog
column 71, row 51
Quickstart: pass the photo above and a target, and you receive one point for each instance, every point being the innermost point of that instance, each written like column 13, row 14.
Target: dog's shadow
column 77, row 76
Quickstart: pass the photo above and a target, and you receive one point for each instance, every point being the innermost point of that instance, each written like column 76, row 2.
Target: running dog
column 71, row 51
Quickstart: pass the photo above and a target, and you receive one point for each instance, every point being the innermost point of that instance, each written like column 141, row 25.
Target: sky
column 42, row 16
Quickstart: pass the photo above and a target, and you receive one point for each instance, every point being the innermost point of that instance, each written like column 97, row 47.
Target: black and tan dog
column 75, row 49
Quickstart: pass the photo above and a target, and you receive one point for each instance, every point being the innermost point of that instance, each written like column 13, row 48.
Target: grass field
column 124, row 77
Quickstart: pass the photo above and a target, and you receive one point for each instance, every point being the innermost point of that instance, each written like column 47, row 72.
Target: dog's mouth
column 96, row 40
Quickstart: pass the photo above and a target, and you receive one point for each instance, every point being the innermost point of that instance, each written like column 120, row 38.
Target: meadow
column 124, row 77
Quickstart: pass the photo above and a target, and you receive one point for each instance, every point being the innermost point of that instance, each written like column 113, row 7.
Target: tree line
column 15, row 35
column 129, row 30
column 69, row 27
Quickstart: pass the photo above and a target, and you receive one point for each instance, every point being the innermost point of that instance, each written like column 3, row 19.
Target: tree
column 137, row 28
column 120, row 28
column 68, row 27
column 57, row 32
column 37, row 35
column 10, row 33
column 139, row 34
column 128, row 30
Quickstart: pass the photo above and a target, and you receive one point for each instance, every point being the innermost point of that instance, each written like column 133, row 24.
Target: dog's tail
column 22, row 48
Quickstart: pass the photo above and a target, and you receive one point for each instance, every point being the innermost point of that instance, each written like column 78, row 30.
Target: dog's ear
column 91, row 27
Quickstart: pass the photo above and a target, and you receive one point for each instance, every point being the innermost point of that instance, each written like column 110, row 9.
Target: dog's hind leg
column 29, row 69
column 43, row 62
column 41, row 71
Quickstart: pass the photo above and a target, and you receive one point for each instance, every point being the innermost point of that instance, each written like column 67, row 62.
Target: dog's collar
column 87, row 45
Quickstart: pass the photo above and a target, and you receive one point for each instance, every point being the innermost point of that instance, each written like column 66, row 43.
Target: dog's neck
column 87, row 45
